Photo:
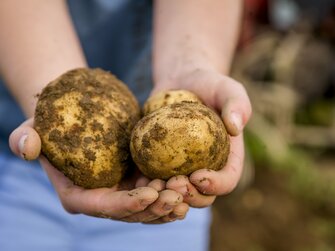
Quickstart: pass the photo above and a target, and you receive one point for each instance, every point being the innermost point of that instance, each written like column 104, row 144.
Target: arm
column 194, row 34
column 38, row 43
column 194, row 43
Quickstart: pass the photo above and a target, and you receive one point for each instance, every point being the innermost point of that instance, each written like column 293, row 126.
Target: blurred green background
column 286, row 198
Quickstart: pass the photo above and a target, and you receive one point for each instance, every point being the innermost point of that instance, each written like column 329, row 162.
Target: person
column 192, row 48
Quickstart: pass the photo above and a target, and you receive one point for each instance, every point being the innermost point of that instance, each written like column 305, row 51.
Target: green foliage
column 304, row 178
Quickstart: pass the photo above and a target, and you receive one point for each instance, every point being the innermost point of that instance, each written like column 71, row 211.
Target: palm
column 226, row 96
column 135, row 199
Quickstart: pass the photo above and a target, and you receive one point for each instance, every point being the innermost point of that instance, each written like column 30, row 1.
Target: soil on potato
column 84, row 119
column 267, row 216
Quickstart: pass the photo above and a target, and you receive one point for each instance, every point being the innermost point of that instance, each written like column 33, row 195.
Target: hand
column 229, row 98
column 129, row 201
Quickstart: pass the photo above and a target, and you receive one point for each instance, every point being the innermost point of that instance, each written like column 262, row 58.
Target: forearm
column 191, row 34
column 37, row 44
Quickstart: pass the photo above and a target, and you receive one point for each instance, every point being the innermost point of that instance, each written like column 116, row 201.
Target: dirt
column 181, row 131
column 92, row 93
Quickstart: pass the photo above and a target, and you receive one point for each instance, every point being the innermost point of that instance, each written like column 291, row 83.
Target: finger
column 225, row 180
column 190, row 194
column 179, row 213
column 224, row 94
column 165, row 204
column 235, row 105
column 142, row 181
column 25, row 142
column 157, row 184
column 102, row 202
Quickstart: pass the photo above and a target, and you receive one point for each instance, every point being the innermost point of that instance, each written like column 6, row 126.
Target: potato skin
column 179, row 139
column 84, row 119
column 169, row 97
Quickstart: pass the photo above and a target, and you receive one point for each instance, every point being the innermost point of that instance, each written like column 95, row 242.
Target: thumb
column 235, row 105
column 25, row 142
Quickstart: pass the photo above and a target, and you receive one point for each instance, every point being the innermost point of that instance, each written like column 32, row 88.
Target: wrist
column 192, row 35
column 176, row 62
column 173, row 76
column 31, row 58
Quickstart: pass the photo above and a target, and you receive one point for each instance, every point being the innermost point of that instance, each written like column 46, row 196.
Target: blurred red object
column 255, row 13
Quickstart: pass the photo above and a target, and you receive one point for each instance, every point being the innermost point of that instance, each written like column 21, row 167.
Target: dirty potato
column 179, row 139
column 84, row 119
column 164, row 98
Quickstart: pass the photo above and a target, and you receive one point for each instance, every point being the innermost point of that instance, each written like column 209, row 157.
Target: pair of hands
column 139, row 199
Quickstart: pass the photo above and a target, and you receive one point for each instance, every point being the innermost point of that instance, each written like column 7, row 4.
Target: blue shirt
column 116, row 36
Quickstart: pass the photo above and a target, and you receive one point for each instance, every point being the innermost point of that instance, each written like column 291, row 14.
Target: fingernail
column 21, row 144
column 236, row 120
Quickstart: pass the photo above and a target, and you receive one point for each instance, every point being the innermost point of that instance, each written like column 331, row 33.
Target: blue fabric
column 115, row 36
column 32, row 218
column 10, row 116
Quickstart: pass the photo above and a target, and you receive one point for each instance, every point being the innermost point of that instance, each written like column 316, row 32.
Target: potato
column 167, row 98
column 84, row 119
column 178, row 139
